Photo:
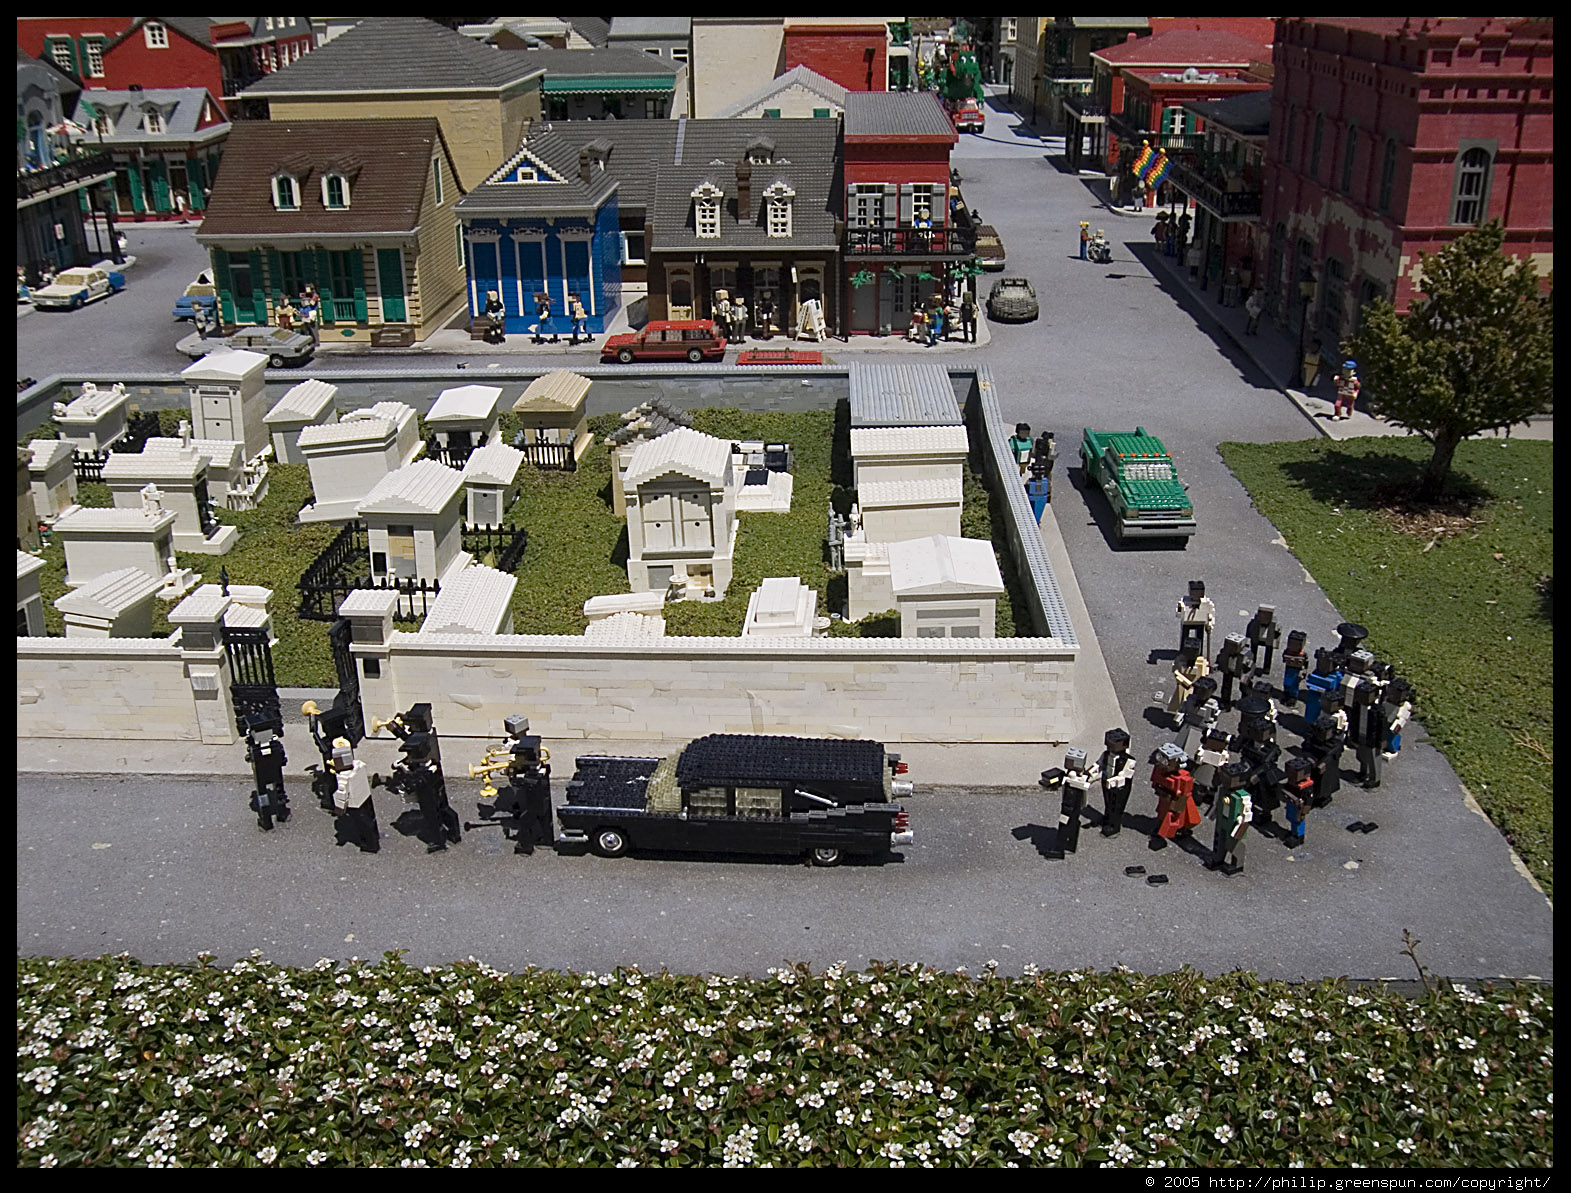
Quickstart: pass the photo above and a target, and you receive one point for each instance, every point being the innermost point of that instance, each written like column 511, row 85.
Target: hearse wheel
column 610, row 842
column 824, row 857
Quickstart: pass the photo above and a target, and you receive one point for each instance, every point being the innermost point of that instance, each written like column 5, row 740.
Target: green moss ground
column 1466, row 614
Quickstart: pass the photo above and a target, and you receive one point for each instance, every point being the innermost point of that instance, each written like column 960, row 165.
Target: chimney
column 584, row 156
column 744, row 192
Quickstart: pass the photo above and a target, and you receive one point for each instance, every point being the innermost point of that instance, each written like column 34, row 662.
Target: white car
column 73, row 288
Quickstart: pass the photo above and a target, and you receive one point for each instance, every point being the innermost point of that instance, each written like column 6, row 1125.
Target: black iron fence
column 90, row 465
column 454, row 455
column 916, row 242
column 334, row 574
column 508, row 543
column 414, row 596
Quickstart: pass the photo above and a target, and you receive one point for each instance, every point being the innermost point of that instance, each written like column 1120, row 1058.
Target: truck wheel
column 610, row 842
column 824, row 857
column 625, row 355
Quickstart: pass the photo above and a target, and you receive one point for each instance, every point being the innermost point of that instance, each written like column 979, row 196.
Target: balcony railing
column 1085, row 106
column 911, row 242
column 1064, row 72
column 62, row 174
column 1130, row 131
column 1228, row 193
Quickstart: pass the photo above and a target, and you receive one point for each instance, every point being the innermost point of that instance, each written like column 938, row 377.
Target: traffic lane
column 163, row 869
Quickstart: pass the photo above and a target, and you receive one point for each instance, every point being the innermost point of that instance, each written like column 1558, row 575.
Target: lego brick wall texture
column 103, row 688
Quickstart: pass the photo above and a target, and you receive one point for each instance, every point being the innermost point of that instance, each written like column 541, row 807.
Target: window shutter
column 258, row 293
column 137, row 203
column 940, row 205
column 891, row 205
column 905, row 204
column 275, row 276
column 226, row 294
column 357, row 259
column 158, row 175
column 324, row 284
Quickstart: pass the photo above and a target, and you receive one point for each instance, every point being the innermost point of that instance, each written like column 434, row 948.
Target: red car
column 676, row 339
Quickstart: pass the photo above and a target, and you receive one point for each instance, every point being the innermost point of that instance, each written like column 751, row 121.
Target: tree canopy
column 1473, row 354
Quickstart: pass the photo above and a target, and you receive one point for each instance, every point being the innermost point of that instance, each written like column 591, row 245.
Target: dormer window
column 525, row 174
column 335, row 192
column 706, row 210
column 103, row 124
column 761, row 151
column 286, row 192
column 152, row 121
column 156, row 35
column 777, row 202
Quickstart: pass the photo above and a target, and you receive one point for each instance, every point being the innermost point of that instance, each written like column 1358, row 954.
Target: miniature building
column 893, row 511
column 27, row 537
column 885, row 395
column 648, row 420
column 908, row 453
column 52, row 471
column 227, row 398
column 491, row 483
column 94, row 420
column 225, row 460
column 29, row 600
column 466, row 416
column 350, row 457
column 99, row 540
column 118, row 604
column 782, row 606
column 412, row 520
column 681, row 513
column 475, row 600
column 181, row 479
column 945, row 587
column 551, row 412
column 308, row 404
column 762, row 477
column 868, row 588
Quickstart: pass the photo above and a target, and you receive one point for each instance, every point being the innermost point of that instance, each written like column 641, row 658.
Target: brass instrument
column 310, row 709
column 377, row 724
column 487, row 768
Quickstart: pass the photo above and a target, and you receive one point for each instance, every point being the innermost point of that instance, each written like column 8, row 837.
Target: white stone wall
column 892, row 690
column 134, row 688
column 896, row 524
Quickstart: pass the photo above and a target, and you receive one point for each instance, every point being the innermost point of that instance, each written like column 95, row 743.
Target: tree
column 1473, row 354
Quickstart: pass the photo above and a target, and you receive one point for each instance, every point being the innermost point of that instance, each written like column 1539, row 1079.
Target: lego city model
column 694, row 340
column 1141, row 483
column 73, row 289
column 742, row 793
column 523, row 806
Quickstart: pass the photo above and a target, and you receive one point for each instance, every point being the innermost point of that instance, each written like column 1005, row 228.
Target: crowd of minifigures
column 1349, row 698
column 344, row 788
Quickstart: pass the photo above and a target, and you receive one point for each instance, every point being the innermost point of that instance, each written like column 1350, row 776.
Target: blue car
column 200, row 293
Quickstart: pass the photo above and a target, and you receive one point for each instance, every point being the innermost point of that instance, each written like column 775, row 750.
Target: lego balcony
column 911, row 242
column 1086, row 107
column 64, row 175
column 1129, row 131
column 1219, row 184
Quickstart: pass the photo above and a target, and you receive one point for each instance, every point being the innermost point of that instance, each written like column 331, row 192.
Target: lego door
column 659, row 522
column 697, row 527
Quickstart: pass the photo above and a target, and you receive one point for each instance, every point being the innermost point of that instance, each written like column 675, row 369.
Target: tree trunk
column 1438, row 468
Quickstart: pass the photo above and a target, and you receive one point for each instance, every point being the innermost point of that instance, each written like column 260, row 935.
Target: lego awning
column 608, row 84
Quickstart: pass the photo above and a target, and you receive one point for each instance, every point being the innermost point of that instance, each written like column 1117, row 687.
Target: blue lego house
column 545, row 224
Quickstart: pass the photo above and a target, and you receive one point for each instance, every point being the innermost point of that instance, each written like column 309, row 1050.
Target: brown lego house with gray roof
column 362, row 210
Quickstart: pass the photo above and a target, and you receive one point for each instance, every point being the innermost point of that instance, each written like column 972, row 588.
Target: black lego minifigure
column 1352, row 637
column 523, row 806
column 1295, row 661
column 1260, row 751
column 1366, row 721
column 496, row 318
column 264, row 750
column 1323, row 748
column 1214, row 755
column 1117, row 768
column 417, row 776
column 416, row 720
column 1071, row 781
column 1263, row 634
column 1232, row 811
column 1232, row 663
column 1298, row 787
column 1198, row 713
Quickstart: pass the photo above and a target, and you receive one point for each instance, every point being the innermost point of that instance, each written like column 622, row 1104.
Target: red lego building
column 1393, row 136
column 854, row 54
column 75, row 44
column 1099, row 115
column 902, row 233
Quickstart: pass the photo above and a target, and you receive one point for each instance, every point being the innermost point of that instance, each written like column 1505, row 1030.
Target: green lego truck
column 1135, row 472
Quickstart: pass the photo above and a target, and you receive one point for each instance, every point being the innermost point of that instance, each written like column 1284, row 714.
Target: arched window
column 1316, row 145
column 706, row 210
column 286, row 193
column 1387, row 178
column 335, row 192
column 1472, row 187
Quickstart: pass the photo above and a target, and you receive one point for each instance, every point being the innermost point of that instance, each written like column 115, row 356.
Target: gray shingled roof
column 797, row 76
column 651, row 27
column 588, row 64
column 900, row 395
column 594, row 30
column 180, row 107
column 558, row 188
column 637, row 146
column 897, row 114
column 1248, row 115
column 804, row 158
column 395, row 54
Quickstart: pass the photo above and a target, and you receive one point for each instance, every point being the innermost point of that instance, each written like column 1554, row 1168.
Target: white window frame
column 678, row 53
column 1011, row 29
column 294, row 190
column 869, row 200
column 707, row 198
column 156, row 34
column 778, row 210
column 328, row 177
column 627, row 257
column 922, row 204
column 63, row 56
column 94, row 50
column 436, row 173
column 152, row 122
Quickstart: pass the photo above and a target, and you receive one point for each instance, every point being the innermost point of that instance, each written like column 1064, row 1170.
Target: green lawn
column 1460, row 603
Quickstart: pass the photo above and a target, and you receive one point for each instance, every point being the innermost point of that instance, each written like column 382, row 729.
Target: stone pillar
column 370, row 614
column 200, row 618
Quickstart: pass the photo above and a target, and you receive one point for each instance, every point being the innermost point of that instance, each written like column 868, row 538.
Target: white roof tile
column 95, row 403
column 394, row 412
column 474, row 601
column 84, row 519
column 626, row 626
column 226, row 453
column 225, row 364
column 47, row 452
column 941, row 564
column 495, row 463
column 684, row 450
column 154, row 466
column 424, row 487
column 349, row 430
column 560, row 389
column 465, row 403
column 899, row 441
column 880, row 494
column 306, row 400
column 110, row 594
column 27, row 564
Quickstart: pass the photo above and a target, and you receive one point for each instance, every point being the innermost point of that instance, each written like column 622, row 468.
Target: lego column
column 200, row 618
column 370, row 614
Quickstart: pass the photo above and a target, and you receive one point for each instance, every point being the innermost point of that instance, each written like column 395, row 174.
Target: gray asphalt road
column 166, row 868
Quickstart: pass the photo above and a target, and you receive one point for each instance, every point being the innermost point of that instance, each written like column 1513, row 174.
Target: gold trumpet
column 377, row 724
column 487, row 768
column 310, row 709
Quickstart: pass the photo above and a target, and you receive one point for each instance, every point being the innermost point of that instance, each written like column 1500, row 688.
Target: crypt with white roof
column 466, row 417
column 95, row 419
column 413, row 522
column 309, row 404
column 680, row 491
column 350, row 457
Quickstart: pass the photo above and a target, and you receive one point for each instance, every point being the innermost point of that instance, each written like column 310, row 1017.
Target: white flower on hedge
column 1378, row 1076
column 1025, row 1142
column 1466, row 1043
column 1223, row 1133
column 1297, row 1055
column 1322, row 1097
column 984, row 1023
column 1405, row 1146
column 1121, row 1153
column 267, row 1155
column 1229, row 1066
column 1480, row 1066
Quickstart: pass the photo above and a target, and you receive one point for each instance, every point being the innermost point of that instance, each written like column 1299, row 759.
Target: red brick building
column 74, row 44
column 902, row 235
column 1393, row 136
column 854, row 54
